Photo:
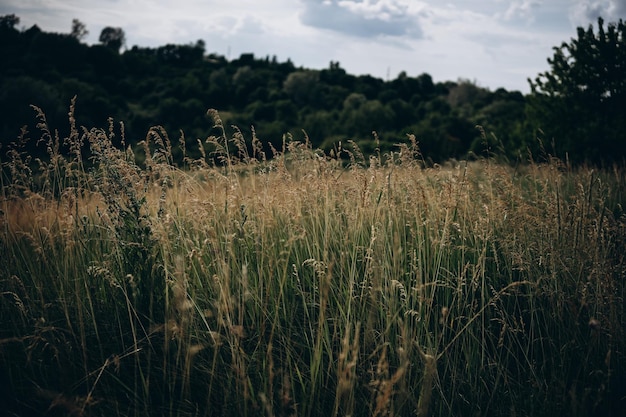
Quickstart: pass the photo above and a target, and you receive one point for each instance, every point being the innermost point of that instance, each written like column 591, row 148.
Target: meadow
column 296, row 282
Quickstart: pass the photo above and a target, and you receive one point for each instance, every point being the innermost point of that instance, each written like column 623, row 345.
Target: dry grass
column 307, row 284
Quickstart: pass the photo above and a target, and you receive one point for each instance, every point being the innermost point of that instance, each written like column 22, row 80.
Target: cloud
column 585, row 12
column 362, row 18
column 521, row 9
column 620, row 7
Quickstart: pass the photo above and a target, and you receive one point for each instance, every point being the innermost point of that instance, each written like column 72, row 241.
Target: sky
column 493, row 43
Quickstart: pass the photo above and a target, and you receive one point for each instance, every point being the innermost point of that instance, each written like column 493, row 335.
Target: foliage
column 574, row 109
column 579, row 103
column 172, row 84
column 113, row 38
column 8, row 22
column 79, row 30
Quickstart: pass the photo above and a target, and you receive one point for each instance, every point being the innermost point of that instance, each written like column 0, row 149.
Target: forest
column 573, row 111
column 174, row 85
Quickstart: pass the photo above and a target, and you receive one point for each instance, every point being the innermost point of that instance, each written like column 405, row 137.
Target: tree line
column 174, row 85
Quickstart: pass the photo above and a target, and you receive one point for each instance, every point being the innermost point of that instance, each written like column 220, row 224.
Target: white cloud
column 381, row 9
column 521, row 9
column 365, row 18
column 586, row 12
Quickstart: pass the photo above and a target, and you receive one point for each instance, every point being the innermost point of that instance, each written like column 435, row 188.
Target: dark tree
column 113, row 38
column 579, row 103
column 9, row 21
column 79, row 30
column 172, row 85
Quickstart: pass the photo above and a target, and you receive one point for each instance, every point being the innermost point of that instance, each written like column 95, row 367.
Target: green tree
column 113, row 38
column 79, row 30
column 9, row 36
column 302, row 87
column 503, row 120
column 9, row 21
column 579, row 103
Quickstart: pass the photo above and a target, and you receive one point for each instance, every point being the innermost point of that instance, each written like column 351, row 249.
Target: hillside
column 174, row 85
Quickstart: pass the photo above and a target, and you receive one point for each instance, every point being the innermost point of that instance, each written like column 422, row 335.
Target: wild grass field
column 293, row 282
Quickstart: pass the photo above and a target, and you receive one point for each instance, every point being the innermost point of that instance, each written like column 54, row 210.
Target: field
column 294, row 282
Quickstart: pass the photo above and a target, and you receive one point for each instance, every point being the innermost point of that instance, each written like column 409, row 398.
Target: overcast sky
column 496, row 43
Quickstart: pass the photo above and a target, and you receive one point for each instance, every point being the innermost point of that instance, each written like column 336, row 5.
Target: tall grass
column 291, row 282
